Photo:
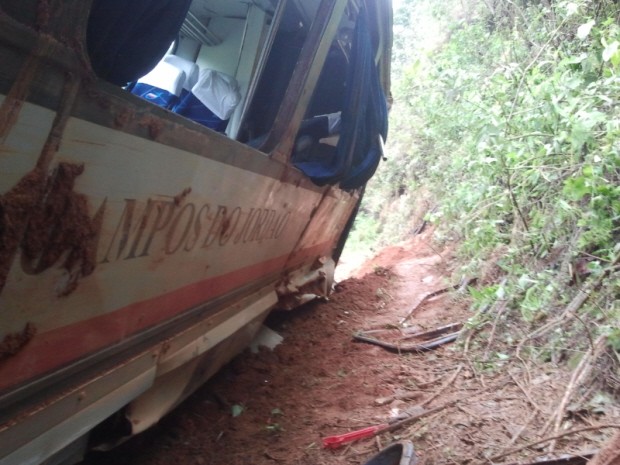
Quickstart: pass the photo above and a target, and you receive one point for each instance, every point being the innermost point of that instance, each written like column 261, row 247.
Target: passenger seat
column 162, row 86
column 190, row 69
column 212, row 100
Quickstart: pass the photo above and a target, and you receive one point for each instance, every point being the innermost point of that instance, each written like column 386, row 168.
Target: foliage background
column 504, row 135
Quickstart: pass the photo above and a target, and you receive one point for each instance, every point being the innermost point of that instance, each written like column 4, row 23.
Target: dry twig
column 581, row 372
column 444, row 386
column 424, row 298
column 407, row 421
column 527, row 394
column 471, row 332
column 552, row 438
column 518, row 434
column 502, row 307
column 570, row 310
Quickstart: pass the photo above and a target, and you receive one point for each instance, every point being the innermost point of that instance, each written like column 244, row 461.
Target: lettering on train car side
column 187, row 227
column 174, row 243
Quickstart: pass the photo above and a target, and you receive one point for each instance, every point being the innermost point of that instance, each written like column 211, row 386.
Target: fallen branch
column 470, row 335
column 388, row 400
column 429, row 295
column 502, row 307
column 433, row 333
column 471, row 332
column 581, row 372
column 582, row 296
column 421, row 347
column 450, row 403
column 552, row 438
column 333, row 442
column 412, row 419
column 527, row 395
column 518, row 434
column 443, row 387
column 425, row 297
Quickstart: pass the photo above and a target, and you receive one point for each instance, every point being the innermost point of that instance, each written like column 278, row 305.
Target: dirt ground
column 275, row 407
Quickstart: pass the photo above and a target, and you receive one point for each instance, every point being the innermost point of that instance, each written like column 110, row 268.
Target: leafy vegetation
column 505, row 134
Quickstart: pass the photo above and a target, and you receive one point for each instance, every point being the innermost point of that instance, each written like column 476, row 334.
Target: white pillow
column 219, row 92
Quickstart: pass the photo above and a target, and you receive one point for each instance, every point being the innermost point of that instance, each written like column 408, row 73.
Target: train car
column 170, row 172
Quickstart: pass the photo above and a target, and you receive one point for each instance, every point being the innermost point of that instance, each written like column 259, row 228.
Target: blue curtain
column 127, row 38
column 364, row 118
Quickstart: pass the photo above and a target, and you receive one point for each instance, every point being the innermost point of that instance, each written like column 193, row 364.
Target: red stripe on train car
column 59, row 347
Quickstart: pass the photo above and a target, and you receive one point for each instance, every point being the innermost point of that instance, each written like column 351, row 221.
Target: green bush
column 509, row 121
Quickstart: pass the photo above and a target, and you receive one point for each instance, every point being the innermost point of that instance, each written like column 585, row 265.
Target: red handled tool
column 333, row 442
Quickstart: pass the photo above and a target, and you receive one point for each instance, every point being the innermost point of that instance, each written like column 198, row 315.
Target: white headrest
column 165, row 76
column 188, row 67
column 219, row 92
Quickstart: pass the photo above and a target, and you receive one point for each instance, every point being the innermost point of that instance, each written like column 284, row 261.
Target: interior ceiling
column 298, row 15
column 206, row 9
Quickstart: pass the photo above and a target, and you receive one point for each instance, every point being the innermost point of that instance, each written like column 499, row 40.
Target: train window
column 225, row 41
column 230, row 67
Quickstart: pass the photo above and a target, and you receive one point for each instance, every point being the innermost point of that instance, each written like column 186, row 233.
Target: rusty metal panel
column 40, row 432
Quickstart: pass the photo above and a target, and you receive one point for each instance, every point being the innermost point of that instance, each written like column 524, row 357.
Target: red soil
column 319, row 382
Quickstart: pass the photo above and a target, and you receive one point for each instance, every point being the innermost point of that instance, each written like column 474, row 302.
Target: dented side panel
column 139, row 251
column 128, row 233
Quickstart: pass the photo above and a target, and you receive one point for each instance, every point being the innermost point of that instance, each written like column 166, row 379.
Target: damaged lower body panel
column 306, row 284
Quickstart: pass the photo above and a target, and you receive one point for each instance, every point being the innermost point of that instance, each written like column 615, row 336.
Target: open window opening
column 227, row 68
column 341, row 138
